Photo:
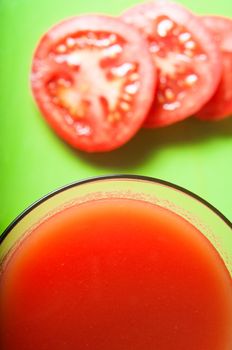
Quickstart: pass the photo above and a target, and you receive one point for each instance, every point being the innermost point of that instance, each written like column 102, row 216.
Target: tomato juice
column 115, row 274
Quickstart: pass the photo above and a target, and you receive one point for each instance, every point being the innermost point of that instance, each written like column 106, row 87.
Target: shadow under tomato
column 150, row 141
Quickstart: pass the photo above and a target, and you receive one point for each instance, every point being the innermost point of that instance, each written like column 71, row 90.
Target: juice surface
column 115, row 274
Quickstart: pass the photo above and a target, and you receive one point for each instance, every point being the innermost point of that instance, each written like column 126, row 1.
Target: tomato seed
column 123, row 70
column 164, row 27
column 132, row 89
column 169, row 94
column 191, row 79
column 114, row 117
column 171, row 106
column 61, row 48
column 183, row 37
column 112, row 51
column 126, row 97
column 70, row 42
column 190, row 45
column 124, row 106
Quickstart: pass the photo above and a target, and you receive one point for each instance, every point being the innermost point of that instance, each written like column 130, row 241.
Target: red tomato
column 93, row 79
column 220, row 105
column 187, row 57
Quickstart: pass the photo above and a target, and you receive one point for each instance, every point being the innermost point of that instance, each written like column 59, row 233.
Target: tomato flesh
column 92, row 78
column 220, row 106
column 186, row 56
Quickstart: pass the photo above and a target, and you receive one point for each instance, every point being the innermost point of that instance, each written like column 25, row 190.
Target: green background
column 33, row 161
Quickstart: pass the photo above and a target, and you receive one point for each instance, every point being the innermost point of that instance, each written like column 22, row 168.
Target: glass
column 198, row 212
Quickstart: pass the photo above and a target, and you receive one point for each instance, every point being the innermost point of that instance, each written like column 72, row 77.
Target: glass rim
column 150, row 179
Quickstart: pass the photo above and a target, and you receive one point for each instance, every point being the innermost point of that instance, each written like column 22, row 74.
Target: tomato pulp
column 115, row 274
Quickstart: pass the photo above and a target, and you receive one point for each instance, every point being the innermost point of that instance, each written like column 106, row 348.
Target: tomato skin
column 105, row 134
column 145, row 17
column 220, row 106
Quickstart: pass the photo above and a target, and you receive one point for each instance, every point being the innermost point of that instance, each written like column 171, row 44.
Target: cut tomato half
column 93, row 79
column 220, row 106
column 186, row 55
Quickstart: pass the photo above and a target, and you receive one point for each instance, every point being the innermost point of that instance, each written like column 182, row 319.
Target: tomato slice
column 186, row 55
column 93, row 79
column 220, row 106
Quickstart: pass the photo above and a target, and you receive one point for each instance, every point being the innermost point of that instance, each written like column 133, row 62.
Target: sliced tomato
column 220, row 106
column 187, row 57
column 93, row 79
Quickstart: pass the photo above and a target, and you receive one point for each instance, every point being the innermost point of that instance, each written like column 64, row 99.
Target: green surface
column 34, row 161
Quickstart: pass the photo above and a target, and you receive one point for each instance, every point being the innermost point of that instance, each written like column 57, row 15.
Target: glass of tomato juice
column 117, row 263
